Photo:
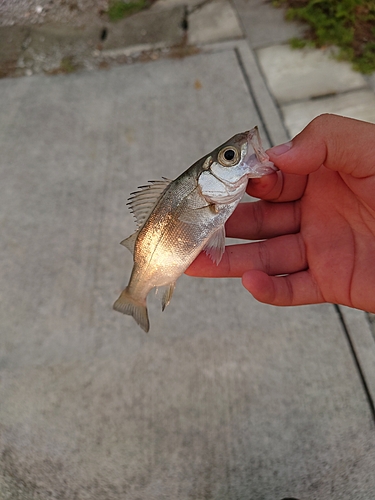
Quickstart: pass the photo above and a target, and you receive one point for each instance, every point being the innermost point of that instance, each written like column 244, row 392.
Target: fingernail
column 281, row 148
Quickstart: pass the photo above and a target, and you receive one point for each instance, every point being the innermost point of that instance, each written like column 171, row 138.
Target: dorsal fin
column 142, row 202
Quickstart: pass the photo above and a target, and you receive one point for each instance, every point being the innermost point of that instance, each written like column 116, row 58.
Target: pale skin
column 316, row 218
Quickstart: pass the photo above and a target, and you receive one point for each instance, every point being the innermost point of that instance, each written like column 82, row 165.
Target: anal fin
column 167, row 295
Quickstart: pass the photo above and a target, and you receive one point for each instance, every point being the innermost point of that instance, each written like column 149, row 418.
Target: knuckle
column 289, row 291
column 321, row 121
column 264, row 257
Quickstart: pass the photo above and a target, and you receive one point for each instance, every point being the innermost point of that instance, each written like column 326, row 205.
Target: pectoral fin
column 215, row 246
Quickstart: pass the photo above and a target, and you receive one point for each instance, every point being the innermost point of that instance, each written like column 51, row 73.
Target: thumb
column 341, row 144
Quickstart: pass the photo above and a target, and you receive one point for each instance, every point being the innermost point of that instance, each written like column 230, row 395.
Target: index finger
column 278, row 187
column 339, row 143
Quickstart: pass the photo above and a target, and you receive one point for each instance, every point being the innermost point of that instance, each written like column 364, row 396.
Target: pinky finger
column 292, row 290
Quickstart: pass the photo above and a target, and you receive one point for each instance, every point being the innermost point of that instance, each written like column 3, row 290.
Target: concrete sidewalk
column 225, row 398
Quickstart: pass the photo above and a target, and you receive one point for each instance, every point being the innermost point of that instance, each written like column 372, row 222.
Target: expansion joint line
column 356, row 361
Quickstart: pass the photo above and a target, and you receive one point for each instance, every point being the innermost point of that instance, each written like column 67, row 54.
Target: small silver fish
column 178, row 219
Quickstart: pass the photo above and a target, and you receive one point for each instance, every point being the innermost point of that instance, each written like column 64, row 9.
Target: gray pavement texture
column 225, row 398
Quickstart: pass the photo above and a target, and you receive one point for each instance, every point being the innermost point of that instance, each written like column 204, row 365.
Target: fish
column 177, row 219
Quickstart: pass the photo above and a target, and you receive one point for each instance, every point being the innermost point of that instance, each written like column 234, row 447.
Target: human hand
column 316, row 218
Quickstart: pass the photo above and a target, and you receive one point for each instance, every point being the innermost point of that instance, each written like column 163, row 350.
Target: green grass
column 347, row 24
column 118, row 9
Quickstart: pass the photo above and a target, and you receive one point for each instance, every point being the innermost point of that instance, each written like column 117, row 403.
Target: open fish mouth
column 256, row 155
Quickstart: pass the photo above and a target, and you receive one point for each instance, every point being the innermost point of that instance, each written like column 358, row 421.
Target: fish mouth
column 254, row 140
column 255, row 151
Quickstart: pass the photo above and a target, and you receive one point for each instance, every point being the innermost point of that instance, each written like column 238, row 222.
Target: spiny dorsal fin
column 143, row 201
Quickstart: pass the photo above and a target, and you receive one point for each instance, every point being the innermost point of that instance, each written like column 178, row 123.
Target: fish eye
column 228, row 156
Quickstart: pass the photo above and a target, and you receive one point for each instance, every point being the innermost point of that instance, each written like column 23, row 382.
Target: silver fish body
column 180, row 218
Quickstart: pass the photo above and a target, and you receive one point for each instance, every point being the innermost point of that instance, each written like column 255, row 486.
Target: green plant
column 347, row 24
column 118, row 9
column 299, row 43
column 67, row 65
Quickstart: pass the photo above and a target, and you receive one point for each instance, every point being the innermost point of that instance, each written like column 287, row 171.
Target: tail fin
column 127, row 305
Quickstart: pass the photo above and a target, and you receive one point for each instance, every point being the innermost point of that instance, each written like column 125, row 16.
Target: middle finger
column 261, row 219
column 282, row 255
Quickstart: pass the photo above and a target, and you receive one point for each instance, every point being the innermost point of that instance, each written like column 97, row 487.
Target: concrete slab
column 90, row 41
column 30, row 12
column 166, row 4
column 154, row 27
column 12, row 41
column 268, row 111
column 363, row 341
column 359, row 104
column 12, row 38
column 265, row 25
column 302, row 74
column 51, row 44
column 212, row 22
column 225, row 398
column 371, row 81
